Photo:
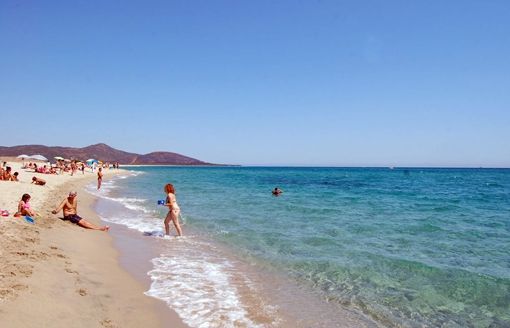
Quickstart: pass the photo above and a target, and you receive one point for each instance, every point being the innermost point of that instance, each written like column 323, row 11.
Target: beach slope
column 57, row 274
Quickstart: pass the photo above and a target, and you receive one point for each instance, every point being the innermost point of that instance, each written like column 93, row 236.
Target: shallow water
column 406, row 247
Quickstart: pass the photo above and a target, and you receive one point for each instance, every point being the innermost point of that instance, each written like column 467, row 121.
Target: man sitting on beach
column 70, row 207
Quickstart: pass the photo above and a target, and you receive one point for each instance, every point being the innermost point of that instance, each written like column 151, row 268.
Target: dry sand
column 56, row 274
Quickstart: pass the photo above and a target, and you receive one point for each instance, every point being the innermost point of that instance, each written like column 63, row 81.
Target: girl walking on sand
column 173, row 210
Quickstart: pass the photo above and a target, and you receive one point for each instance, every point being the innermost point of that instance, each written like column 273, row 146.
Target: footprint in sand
column 82, row 291
column 19, row 287
column 5, row 292
column 25, row 270
column 107, row 323
column 43, row 255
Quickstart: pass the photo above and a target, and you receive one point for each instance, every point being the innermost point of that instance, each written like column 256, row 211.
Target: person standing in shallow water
column 173, row 210
column 99, row 178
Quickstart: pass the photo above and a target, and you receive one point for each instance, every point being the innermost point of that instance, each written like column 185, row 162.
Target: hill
column 104, row 153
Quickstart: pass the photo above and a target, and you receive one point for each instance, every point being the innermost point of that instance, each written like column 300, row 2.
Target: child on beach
column 173, row 210
column 24, row 207
column 39, row 182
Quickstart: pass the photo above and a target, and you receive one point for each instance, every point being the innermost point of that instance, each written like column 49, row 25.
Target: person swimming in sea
column 277, row 191
column 173, row 210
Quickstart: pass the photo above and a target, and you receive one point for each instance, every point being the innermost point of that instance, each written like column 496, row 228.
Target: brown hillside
column 102, row 152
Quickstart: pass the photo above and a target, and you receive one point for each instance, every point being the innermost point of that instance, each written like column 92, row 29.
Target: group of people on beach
column 6, row 173
column 69, row 207
column 44, row 169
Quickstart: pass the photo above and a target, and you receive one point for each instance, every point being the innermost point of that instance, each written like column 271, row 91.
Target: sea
column 340, row 247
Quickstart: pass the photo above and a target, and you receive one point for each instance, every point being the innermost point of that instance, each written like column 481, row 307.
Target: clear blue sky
column 388, row 83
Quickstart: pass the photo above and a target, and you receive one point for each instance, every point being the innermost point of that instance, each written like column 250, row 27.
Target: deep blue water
column 406, row 246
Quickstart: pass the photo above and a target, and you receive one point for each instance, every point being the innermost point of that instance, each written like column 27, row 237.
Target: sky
column 290, row 82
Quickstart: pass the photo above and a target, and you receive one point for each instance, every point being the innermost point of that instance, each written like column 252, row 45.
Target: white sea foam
column 130, row 174
column 199, row 290
column 142, row 224
column 135, row 204
column 198, row 286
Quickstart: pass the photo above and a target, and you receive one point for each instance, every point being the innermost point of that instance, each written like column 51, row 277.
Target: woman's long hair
column 169, row 188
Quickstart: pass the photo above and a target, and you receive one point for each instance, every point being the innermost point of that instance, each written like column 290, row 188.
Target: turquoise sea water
column 407, row 247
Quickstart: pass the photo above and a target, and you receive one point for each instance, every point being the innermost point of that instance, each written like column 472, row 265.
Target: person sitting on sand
column 7, row 176
column 38, row 181
column 15, row 176
column 24, row 207
column 70, row 209
column 277, row 191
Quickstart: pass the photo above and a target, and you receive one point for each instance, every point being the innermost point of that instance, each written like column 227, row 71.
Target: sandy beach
column 57, row 274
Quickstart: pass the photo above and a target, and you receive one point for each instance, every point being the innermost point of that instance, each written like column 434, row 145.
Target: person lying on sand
column 38, row 181
column 24, row 207
column 70, row 209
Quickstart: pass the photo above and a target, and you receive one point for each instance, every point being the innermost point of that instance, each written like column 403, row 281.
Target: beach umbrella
column 58, row 158
column 39, row 157
column 91, row 160
column 23, row 156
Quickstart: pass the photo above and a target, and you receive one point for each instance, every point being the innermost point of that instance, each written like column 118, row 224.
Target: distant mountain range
column 103, row 153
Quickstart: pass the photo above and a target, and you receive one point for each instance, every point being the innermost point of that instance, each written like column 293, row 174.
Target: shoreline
column 57, row 274
column 264, row 295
